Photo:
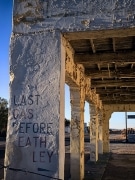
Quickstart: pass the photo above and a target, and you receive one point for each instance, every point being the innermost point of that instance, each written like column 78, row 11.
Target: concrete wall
column 76, row 15
column 35, row 135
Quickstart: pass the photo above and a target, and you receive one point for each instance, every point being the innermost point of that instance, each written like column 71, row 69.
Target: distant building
column 129, row 131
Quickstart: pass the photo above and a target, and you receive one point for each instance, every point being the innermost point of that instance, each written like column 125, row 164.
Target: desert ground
column 119, row 164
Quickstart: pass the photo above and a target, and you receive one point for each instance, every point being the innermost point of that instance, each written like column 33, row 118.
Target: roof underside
column 109, row 60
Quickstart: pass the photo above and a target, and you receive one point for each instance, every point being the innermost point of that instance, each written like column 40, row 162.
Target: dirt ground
column 120, row 167
column 119, row 164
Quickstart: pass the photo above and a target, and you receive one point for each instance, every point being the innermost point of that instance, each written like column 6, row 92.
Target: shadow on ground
column 120, row 167
column 93, row 171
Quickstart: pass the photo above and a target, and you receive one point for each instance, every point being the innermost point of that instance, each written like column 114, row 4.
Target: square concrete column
column 35, row 134
column 106, row 142
column 77, row 134
column 93, row 133
column 100, row 132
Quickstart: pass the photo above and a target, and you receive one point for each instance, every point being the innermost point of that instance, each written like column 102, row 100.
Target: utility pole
column 126, row 125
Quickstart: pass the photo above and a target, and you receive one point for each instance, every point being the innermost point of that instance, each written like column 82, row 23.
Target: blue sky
column 117, row 120
column 5, row 31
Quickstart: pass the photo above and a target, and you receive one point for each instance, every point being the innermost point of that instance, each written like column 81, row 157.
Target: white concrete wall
column 78, row 15
column 35, row 135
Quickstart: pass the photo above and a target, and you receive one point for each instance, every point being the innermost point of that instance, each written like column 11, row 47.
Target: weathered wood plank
column 121, row 91
column 113, row 83
column 93, row 46
column 114, row 47
column 99, row 34
column 103, row 58
column 120, row 73
column 117, row 97
column 118, row 102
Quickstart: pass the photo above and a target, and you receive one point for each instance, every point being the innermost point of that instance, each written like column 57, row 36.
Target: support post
column 100, row 133
column 126, row 126
column 93, row 133
column 106, row 142
column 35, row 133
column 77, row 134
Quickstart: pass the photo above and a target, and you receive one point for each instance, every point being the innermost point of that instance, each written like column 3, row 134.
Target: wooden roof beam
column 114, row 46
column 98, row 34
column 113, row 83
column 103, row 58
column 92, row 46
column 118, row 102
column 120, row 73
column 113, row 96
column 115, row 91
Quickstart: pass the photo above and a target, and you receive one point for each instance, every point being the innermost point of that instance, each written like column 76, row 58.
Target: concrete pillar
column 106, row 117
column 35, row 134
column 93, row 133
column 100, row 132
column 77, row 134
